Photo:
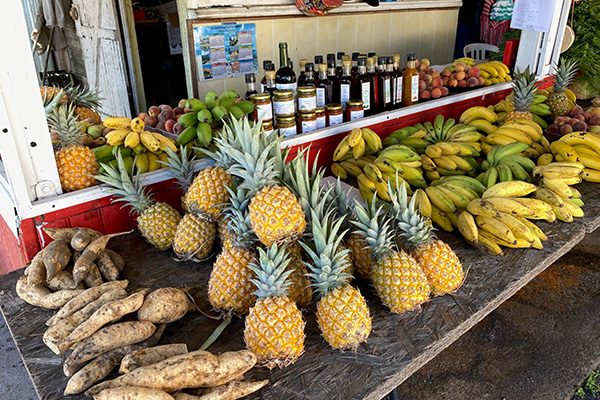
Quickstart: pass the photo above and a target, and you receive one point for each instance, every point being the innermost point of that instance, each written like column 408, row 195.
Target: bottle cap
column 331, row 63
column 355, row 56
column 270, row 67
column 270, row 74
column 410, row 57
column 362, row 62
column 371, row 54
column 340, row 54
column 265, row 63
column 390, row 60
column 370, row 61
column 318, row 60
column 309, row 67
column 381, row 60
column 250, row 78
column 331, row 56
column 322, row 67
column 283, row 45
column 347, row 64
column 302, row 62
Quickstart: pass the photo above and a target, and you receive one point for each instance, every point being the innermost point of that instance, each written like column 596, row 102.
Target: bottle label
column 344, row 94
column 414, row 88
column 366, row 94
column 268, row 131
column 284, row 107
column 387, row 91
column 309, row 126
column 336, row 119
column 356, row 115
column 399, row 90
column 262, row 88
column 264, row 111
column 321, row 97
column 307, row 103
column 287, row 132
column 321, row 122
column 286, row 86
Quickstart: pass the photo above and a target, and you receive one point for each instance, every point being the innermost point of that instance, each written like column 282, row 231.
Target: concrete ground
column 540, row 344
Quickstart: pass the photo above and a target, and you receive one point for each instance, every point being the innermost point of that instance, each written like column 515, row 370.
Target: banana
column 535, row 205
column 339, row 171
column 354, row 137
column 418, row 135
column 372, row 139
column 582, row 138
column 150, row 141
column 414, row 164
column 559, row 170
column 396, row 181
column 458, row 199
column 591, row 175
column 449, row 123
column 483, row 208
column 488, row 245
column 438, row 125
column 504, row 173
column 548, row 196
column 434, row 151
column 558, row 187
column 516, row 134
column 432, row 175
column 518, row 172
column 364, row 181
column 461, row 163
column 500, row 68
column 510, row 189
column 429, row 127
column 487, row 67
column 577, row 202
column 438, row 198
column 446, row 163
column 496, row 228
column 563, row 214
column 510, row 206
column 132, row 139
column 388, row 141
column 585, row 150
column 138, row 125
column 531, row 153
column 350, row 168
column 483, row 125
column 453, row 217
column 467, row 137
column 139, row 149
column 534, row 229
column 520, row 230
column 361, row 162
column 153, row 163
column 400, row 134
column 382, row 191
column 575, row 210
column 358, row 150
column 400, row 153
column 467, row 227
column 440, row 218
column 566, row 151
column 117, row 123
column 500, row 152
column 341, row 150
column 386, row 164
column 165, row 142
column 492, row 176
column 423, row 202
column 448, row 148
column 466, row 181
column 545, row 159
column 409, row 173
column 540, row 109
column 141, row 163
column 478, row 112
column 499, row 139
column 529, row 130
column 373, row 173
column 117, row 137
column 463, row 190
column 520, row 244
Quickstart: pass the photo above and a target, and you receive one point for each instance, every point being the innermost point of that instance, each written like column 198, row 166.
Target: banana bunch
column 465, row 60
column 134, row 162
column 581, row 147
column 521, row 131
column 356, row 144
column 538, row 109
column 494, row 72
column 447, row 197
column 555, row 183
column 451, row 148
column 505, row 164
column 133, row 135
column 410, row 136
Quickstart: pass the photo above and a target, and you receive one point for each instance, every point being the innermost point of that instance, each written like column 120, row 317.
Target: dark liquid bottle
column 399, row 80
column 310, row 75
column 389, row 68
column 250, row 86
column 333, row 85
column 270, row 85
column 372, row 74
column 345, row 83
column 410, row 91
column 267, row 66
column 318, row 60
column 338, row 68
column 285, row 78
column 302, row 75
column 361, row 86
column 383, row 85
column 354, row 70
column 322, row 86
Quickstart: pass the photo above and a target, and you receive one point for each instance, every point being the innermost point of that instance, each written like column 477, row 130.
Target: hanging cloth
column 314, row 8
column 50, row 22
column 491, row 30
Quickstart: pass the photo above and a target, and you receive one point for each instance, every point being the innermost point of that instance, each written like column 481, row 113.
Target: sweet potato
column 111, row 337
column 93, row 277
column 36, row 271
column 116, row 259
column 85, row 298
column 107, row 267
column 89, row 255
column 133, row 393
column 63, row 327
column 192, row 370
column 83, row 237
column 39, row 296
column 108, row 313
column 144, row 357
column 67, row 233
column 230, row 391
column 56, row 256
column 164, row 305
column 62, row 280
column 101, row 366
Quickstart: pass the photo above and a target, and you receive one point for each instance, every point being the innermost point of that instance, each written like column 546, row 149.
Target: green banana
column 510, row 149
column 450, row 122
column 527, row 163
column 438, row 125
column 492, row 178
column 518, row 172
column 504, row 173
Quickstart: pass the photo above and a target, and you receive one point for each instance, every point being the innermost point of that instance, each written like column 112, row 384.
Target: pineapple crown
column 85, row 96
column 120, row 184
column 328, row 262
column 374, row 225
column 181, row 166
column 225, row 140
column 63, row 120
column 340, row 200
column 271, row 275
column 565, row 73
column 524, row 87
column 410, row 223
column 239, row 221
column 51, row 97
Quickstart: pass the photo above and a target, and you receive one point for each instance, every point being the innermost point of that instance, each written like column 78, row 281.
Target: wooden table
column 398, row 346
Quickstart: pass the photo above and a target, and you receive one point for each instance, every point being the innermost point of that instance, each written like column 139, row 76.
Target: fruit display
column 431, row 85
column 462, row 74
column 85, row 100
column 580, row 147
column 494, row 72
column 575, row 120
column 504, row 164
column 558, row 100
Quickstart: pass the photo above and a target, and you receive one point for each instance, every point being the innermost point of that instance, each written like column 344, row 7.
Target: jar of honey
column 307, row 122
column 354, row 110
column 268, row 127
column 321, row 118
column 283, row 103
column 333, row 113
column 307, row 98
column 262, row 107
column 287, row 125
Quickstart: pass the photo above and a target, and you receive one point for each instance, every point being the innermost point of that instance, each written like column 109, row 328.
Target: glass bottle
column 383, row 85
column 371, row 54
column 354, row 70
column 318, row 60
column 410, row 77
column 345, row 82
column 322, row 86
column 372, row 74
column 250, row 86
column 267, row 66
column 399, row 80
column 333, row 85
column 302, row 75
column 389, row 68
column 361, row 86
column 340, row 58
column 310, row 75
column 285, row 78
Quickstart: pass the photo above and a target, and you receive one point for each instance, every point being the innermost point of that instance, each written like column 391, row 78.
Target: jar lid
column 283, row 93
column 354, row 103
column 306, row 114
column 319, row 110
column 287, row 118
column 306, row 89
column 260, row 96
column 333, row 107
column 267, row 123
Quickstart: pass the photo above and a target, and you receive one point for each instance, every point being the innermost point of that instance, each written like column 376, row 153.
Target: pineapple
column 524, row 87
column 439, row 262
column 398, row 279
column 274, row 328
column 360, row 255
column 558, row 100
column 229, row 285
column 182, row 168
column 274, row 211
column 208, row 192
column 76, row 164
column 87, row 102
column 49, row 93
column 342, row 312
column 299, row 284
column 157, row 221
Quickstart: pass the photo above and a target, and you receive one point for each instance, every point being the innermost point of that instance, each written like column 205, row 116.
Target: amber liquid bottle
column 310, row 75
column 361, row 86
column 384, row 87
column 372, row 74
column 302, row 76
column 345, row 83
column 322, row 86
column 333, row 85
column 410, row 77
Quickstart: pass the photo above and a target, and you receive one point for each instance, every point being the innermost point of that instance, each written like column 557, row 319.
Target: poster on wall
column 225, row 51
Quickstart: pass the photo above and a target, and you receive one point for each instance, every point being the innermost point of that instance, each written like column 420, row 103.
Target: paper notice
column 533, row 15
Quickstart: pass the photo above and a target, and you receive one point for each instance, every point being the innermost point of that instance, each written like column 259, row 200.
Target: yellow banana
column 566, row 151
column 510, row 189
column 427, row 162
column 150, row 141
column 382, row 191
column 117, row 123
column 534, row 229
column 413, row 164
column 354, row 136
column 591, row 175
column 164, row 158
column 483, row 125
column 478, row 112
column 588, row 161
column 582, row 138
column 165, row 142
column 510, row 206
column 350, row 168
column 519, row 244
column 527, row 129
column 546, row 144
column 467, row 227
column 440, row 199
column 341, row 150
column 372, row 139
column 339, row 171
column 463, row 190
column 446, row 163
column 453, row 217
column 459, row 200
column 519, row 229
column 558, row 187
column 575, row 210
column 386, row 164
column 516, row 134
column 141, row 163
column 118, row 137
column 440, row 218
column 559, row 170
column 535, row 205
column 548, row 196
column 483, row 208
column 449, row 148
column 499, row 67
column 489, row 69
column 434, row 151
column 132, row 139
column 153, row 163
column 545, row 159
column 366, row 182
column 487, row 244
column 358, row 150
column 499, row 139
column 533, row 124
column 409, row 173
column 361, row 162
column 563, row 214
column 432, row 175
column 423, row 202
column 137, row 125
column 373, row 173
column 495, row 227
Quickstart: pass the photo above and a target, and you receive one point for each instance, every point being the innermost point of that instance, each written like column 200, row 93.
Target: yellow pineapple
column 157, row 221
column 439, row 262
column 208, row 191
column 558, row 100
column 398, row 279
column 87, row 102
column 223, row 232
column 360, row 255
column 524, row 87
column 50, row 93
column 342, row 312
column 274, row 328
column 299, row 284
column 76, row 164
